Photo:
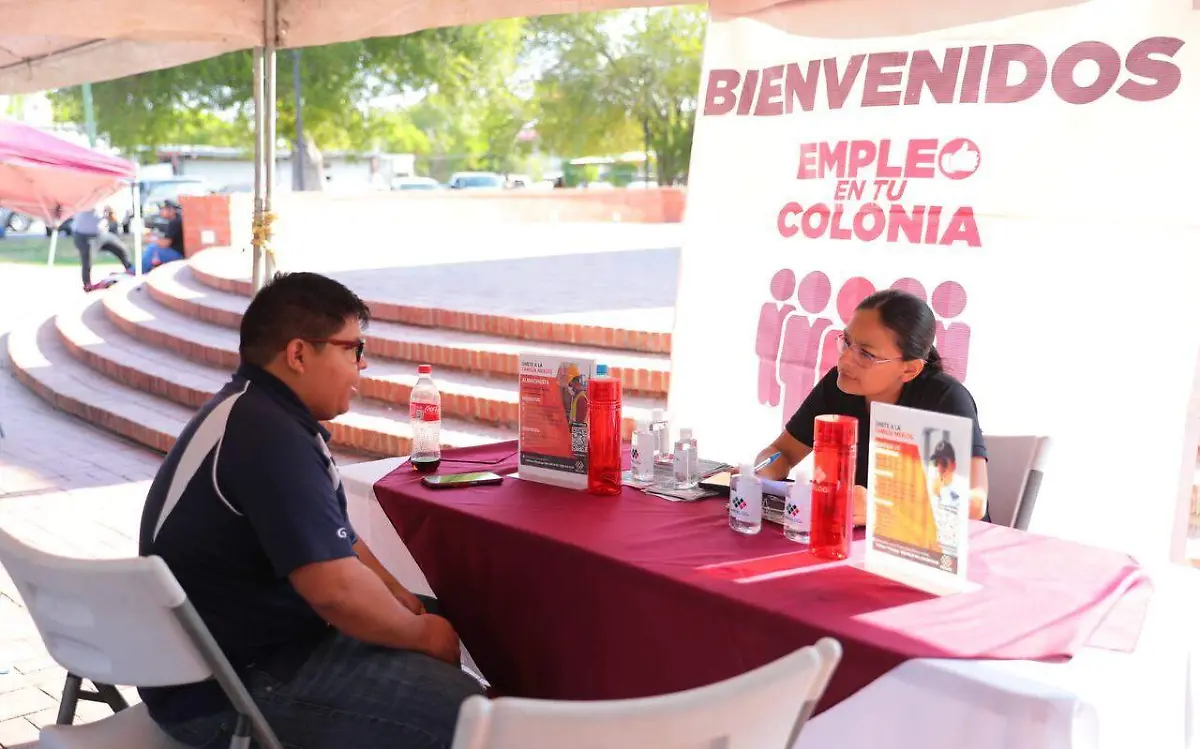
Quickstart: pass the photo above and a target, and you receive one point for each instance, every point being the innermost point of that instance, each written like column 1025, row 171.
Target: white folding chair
column 762, row 709
column 1016, row 465
column 123, row 621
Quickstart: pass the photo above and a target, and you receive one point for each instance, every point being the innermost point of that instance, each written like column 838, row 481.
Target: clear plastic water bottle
column 662, row 435
column 643, row 453
column 687, row 461
column 745, row 504
column 797, row 509
column 425, row 419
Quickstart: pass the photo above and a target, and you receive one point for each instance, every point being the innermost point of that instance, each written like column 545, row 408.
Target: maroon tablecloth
column 560, row 594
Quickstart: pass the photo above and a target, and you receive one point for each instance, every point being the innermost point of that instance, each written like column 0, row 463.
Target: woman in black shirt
column 887, row 355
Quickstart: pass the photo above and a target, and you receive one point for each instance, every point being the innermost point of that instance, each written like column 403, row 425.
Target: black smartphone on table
column 457, row 480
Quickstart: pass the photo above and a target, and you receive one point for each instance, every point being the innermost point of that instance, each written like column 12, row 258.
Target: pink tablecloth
column 559, row 594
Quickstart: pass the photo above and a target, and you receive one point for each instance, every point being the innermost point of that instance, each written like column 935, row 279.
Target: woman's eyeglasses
column 358, row 346
column 864, row 357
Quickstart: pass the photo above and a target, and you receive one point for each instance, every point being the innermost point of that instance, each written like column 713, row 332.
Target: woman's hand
column 859, row 503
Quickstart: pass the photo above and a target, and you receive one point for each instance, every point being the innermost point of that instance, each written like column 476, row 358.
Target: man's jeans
column 154, row 255
column 350, row 695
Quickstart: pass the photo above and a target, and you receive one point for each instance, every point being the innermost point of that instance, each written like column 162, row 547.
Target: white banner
column 1031, row 175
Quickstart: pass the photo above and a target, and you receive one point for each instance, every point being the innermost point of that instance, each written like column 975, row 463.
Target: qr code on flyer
column 579, row 439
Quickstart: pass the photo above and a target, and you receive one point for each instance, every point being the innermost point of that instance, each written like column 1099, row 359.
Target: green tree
column 620, row 80
column 176, row 105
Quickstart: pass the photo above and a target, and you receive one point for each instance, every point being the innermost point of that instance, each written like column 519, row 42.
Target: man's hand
column 439, row 640
column 407, row 599
column 401, row 593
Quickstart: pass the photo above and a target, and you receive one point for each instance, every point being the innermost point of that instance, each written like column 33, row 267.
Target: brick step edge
column 347, row 436
column 471, row 408
column 100, row 417
column 467, row 407
column 519, row 328
column 641, row 381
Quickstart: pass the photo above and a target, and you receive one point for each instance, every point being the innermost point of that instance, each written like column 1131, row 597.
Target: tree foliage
column 160, row 107
column 621, row 80
column 606, row 83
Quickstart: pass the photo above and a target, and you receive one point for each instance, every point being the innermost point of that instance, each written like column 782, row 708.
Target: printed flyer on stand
column 554, row 419
column 919, row 489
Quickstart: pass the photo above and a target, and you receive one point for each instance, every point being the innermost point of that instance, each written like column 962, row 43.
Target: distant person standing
column 90, row 229
column 168, row 246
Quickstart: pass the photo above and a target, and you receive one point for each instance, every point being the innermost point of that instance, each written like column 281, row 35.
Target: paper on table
column 776, row 488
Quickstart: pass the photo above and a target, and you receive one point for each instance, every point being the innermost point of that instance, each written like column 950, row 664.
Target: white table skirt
column 1099, row 700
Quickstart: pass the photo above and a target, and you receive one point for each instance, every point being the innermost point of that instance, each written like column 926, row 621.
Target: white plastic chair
column 1016, row 465
column 123, row 621
column 762, row 709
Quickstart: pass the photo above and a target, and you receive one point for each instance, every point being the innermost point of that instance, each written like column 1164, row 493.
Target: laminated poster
column 919, row 488
column 554, row 419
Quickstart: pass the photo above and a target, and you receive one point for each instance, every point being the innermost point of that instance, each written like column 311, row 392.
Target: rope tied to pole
column 261, row 232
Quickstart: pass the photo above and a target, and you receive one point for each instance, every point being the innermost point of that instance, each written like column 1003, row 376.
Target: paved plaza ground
column 65, row 487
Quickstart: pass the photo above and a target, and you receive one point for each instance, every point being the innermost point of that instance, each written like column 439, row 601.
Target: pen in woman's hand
column 767, row 461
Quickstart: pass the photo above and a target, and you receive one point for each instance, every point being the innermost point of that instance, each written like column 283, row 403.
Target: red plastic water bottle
column 604, row 433
column 835, row 451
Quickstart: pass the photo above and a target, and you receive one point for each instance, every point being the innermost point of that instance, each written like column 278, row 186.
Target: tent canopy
column 49, row 178
column 67, row 42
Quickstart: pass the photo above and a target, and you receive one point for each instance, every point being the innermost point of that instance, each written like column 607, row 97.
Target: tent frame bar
column 265, row 113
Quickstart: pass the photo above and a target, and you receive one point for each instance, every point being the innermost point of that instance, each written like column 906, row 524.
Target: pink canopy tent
column 47, row 177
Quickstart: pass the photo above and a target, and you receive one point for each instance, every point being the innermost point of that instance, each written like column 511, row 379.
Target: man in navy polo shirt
column 249, row 513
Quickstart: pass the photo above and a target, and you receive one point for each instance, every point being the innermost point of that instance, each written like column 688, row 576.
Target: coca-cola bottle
column 425, row 419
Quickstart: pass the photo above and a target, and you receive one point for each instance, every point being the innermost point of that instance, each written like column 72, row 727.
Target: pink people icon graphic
column 802, row 332
column 798, row 344
column 959, row 158
column 953, row 340
column 912, row 286
column 849, row 296
column 770, row 333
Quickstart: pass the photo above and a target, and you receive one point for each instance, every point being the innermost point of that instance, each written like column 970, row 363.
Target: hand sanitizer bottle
column 662, row 433
column 687, row 461
column 643, row 453
column 745, row 504
column 797, row 509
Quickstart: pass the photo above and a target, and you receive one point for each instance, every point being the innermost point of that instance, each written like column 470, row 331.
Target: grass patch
column 36, row 250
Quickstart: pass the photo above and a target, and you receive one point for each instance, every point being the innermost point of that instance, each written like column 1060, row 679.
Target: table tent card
column 554, row 419
column 919, row 498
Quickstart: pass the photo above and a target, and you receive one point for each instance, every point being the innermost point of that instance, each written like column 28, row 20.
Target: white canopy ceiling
column 68, row 42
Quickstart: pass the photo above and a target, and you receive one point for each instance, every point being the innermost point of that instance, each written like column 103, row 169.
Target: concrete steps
column 173, row 286
column 140, row 357
column 44, row 364
column 224, row 270
column 487, row 399
column 370, row 426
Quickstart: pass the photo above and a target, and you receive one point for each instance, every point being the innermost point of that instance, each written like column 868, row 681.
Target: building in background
column 232, row 169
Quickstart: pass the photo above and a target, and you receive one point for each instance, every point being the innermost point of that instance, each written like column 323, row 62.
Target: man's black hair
column 296, row 305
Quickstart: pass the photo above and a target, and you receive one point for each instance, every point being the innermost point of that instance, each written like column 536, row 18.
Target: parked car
column 155, row 192
column 476, row 181
column 14, row 221
column 415, row 183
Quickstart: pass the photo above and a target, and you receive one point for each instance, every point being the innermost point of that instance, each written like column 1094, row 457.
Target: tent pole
column 53, row 244
column 137, row 226
column 258, row 166
column 270, row 109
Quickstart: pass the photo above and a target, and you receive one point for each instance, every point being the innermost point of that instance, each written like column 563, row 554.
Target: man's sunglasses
column 358, row 346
